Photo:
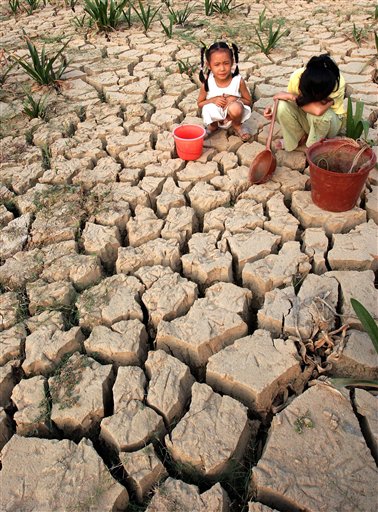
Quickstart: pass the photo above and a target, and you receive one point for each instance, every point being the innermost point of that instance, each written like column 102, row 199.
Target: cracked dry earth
column 165, row 327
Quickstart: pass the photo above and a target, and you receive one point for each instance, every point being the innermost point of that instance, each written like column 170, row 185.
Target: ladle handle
column 269, row 141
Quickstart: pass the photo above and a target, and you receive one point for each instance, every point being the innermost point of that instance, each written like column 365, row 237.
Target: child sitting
column 224, row 97
column 312, row 108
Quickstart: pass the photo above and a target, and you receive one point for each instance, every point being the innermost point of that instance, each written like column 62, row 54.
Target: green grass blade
column 357, row 132
column 366, row 127
column 350, row 120
column 356, row 383
column 367, row 321
column 359, row 111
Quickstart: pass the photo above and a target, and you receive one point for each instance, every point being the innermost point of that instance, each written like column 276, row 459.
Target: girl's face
column 220, row 64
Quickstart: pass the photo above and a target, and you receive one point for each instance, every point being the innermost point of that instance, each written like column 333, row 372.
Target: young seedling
column 272, row 38
column 127, row 16
column 168, row 29
column 35, row 108
column 46, row 157
column 32, row 6
column 146, row 16
column 5, row 67
column 355, row 125
column 185, row 67
column 80, row 21
column 262, row 20
column 224, row 6
column 14, row 6
column 371, row 328
column 209, row 8
column 180, row 17
column 358, row 34
column 71, row 4
column 303, row 422
column 106, row 14
column 41, row 69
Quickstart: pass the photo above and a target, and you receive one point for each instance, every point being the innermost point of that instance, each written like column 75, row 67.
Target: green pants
column 295, row 123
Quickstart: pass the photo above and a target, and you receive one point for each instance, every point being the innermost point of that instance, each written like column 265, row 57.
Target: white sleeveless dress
column 211, row 112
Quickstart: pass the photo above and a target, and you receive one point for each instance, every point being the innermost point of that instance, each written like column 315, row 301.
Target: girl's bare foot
column 211, row 128
column 279, row 144
column 303, row 140
column 242, row 132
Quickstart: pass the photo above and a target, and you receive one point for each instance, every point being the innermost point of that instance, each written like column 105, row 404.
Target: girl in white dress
column 224, row 97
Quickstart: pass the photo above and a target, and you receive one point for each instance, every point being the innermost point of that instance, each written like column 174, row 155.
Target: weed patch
column 67, row 376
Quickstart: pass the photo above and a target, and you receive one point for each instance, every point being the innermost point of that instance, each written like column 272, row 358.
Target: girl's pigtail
column 201, row 74
column 236, row 58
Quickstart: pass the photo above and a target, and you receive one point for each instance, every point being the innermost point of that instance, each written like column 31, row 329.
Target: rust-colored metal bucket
column 264, row 164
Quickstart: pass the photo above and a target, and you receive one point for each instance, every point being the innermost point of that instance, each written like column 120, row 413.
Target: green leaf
column 366, row 127
column 367, row 321
column 357, row 132
column 350, row 121
column 359, row 111
column 356, row 383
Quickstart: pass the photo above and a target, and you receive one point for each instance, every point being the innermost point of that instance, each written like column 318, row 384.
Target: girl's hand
column 268, row 113
column 230, row 99
column 220, row 101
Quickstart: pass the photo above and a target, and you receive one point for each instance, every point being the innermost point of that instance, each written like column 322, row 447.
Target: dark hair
column 320, row 78
column 207, row 52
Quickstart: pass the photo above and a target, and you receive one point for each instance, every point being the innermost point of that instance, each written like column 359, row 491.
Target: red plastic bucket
column 332, row 188
column 189, row 141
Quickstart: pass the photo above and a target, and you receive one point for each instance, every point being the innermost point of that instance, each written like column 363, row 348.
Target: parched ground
column 167, row 332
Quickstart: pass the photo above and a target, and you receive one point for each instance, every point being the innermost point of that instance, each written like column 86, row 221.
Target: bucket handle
column 349, row 141
column 357, row 157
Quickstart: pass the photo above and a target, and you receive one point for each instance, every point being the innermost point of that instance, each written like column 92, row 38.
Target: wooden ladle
column 264, row 164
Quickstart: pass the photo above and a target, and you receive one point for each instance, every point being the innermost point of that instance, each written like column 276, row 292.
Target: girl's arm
column 285, row 96
column 220, row 101
column 245, row 95
column 317, row 108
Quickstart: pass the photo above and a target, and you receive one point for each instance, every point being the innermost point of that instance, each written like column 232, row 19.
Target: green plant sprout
column 106, row 14
column 32, row 6
column 46, row 157
column 35, row 108
column 224, row 6
column 209, row 8
column 79, row 21
column 41, row 67
column 358, row 34
column 272, row 38
column 180, row 16
column 186, row 67
column 14, row 6
column 146, row 16
column 262, row 20
column 371, row 328
column 127, row 16
column 355, row 125
column 71, row 4
column 303, row 422
column 5, row 68
column 168, row 29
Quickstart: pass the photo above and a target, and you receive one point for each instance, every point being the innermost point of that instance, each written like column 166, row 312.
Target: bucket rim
column 191, row 125
column 368, row 165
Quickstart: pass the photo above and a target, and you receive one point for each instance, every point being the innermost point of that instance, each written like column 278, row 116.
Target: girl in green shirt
column 312, row 108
